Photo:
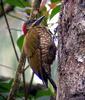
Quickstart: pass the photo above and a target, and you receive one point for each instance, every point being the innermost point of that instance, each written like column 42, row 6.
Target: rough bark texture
column 71, row 70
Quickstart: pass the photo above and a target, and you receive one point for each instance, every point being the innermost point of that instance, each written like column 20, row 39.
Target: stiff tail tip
column 52, row 86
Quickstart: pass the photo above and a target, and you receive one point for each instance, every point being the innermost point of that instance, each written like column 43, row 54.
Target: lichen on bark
column 71, row 52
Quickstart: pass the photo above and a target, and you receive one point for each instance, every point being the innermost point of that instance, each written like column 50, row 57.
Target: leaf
column 1, row 98
column 19, row 3
column 55, row 1
column 55, row 11
column 20, row 42
column 4, row 79
column 50, row 86
column 20, row 94
column 10, row 82
column 5, row 86
column 44, row 92
column 45, row 13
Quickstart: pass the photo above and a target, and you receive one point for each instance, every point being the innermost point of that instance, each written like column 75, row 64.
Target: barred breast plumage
column 40, row 51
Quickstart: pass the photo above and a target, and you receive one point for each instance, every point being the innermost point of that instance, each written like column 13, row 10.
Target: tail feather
column 53, row 83
column 47, row 77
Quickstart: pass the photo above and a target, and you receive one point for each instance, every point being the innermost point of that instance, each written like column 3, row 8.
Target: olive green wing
column 32, row 50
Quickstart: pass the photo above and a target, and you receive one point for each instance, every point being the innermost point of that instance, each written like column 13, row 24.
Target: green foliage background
column 6, row 85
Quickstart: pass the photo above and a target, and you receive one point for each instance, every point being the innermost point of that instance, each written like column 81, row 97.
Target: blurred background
column 8, row 61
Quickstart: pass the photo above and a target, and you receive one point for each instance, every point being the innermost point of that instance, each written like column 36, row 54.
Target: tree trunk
column 71, row 69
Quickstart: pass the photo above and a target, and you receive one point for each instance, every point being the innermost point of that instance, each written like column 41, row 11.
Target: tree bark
column 71, row 53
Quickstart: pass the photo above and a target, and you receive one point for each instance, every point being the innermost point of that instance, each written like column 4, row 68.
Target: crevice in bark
column 71, row 53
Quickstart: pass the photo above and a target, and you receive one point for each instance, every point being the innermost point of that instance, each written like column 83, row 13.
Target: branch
column 17, row 79
column 16, row 29
column 35, row 8
column 13, row 16
column 5, row 66
column 21, row 65
column 25, row 90
column 7, row 9
column 9, row 31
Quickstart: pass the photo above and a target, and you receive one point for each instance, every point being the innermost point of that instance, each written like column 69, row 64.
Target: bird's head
column 31, row 23
column 26, row 25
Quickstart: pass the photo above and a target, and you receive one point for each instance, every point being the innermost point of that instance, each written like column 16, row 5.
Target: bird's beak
column 38, row 21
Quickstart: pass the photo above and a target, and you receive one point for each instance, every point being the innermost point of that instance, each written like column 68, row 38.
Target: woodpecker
column 40, row 50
